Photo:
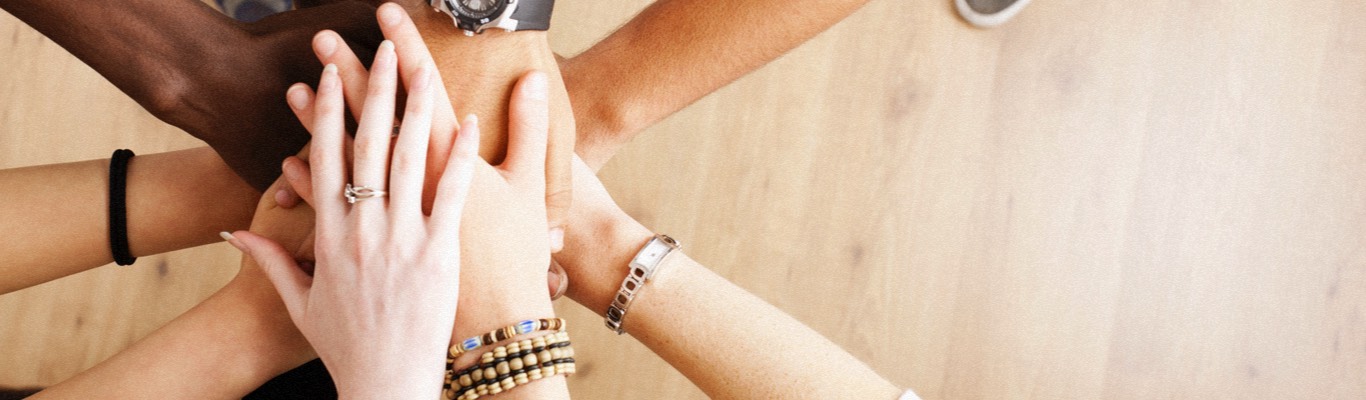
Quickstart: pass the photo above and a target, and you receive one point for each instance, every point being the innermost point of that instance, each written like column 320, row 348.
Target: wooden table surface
column 1121, row 200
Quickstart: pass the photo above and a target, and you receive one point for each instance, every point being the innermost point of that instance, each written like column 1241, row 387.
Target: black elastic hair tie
column 118, row 209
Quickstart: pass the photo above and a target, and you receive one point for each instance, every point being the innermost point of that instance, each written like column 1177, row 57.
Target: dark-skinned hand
column 221, row 80
column 238, row 106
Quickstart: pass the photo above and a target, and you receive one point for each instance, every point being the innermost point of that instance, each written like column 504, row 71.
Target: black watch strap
column 533, row 15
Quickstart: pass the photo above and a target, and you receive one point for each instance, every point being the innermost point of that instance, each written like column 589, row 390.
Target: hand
column 380, row 303
column 232, row 101
column 504, row 241
column 412, row 50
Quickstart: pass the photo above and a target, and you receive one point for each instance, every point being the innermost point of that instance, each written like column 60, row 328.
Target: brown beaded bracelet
column 515, row 364
column 538, row 348
column 505, row 333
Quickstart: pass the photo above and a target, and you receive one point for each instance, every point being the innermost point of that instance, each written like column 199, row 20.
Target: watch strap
column 533, row 15
column 642, row 269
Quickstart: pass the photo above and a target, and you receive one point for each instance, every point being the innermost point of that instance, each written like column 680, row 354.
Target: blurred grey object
column 253, row 10
column 989, row 13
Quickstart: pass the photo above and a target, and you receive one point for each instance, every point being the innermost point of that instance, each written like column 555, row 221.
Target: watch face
column 479, row 9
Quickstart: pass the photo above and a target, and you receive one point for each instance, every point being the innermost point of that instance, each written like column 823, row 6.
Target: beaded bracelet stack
column 508, row 366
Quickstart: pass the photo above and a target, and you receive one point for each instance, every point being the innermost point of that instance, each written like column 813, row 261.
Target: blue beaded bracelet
column 505, row 333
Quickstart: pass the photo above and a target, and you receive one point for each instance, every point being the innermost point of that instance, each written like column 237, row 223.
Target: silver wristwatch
column 474, row 16
column 643, row 267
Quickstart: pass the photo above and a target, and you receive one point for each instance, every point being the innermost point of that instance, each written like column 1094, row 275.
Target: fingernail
column 561, row 280
column 330, row 69
column 386, row 45
column 557, row 238
column 389, row 15
column 472, row 120
column 536, row 86
column 326, row 45
column 232, row 240
column 284, row 198
column 296, row 97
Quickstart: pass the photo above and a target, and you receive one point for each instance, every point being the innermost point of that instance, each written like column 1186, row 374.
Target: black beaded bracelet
column 118, row 209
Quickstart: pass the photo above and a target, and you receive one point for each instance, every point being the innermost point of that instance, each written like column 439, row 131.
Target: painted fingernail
column 297, row 97
column 386, row 45
column 232, row 240
column 326, row 45
column 536, row 86
column 389, row 15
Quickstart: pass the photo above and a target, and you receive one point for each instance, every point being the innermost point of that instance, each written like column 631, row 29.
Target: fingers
column 559, row 194
column 410, row 154
column 559, row 161
column 371, row 151
column 331, row 49
column 455, row 183
column 298, row 176
column 408, row 43
column 413, row 54
column 300, row 99
column 528, row 127
column 290, row 281
column 326, row 155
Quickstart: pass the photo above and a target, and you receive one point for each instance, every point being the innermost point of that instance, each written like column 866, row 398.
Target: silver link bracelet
column 643, row 267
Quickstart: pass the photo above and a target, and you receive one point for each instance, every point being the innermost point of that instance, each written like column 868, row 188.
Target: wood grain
column 1125, row 200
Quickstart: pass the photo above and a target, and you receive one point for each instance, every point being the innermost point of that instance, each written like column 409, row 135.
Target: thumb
column 289, row 280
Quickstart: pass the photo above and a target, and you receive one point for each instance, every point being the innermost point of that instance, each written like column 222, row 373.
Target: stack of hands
column 400, row 224
column 399, row 230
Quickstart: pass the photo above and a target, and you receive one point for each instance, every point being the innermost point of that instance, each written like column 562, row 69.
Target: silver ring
column 358, row 193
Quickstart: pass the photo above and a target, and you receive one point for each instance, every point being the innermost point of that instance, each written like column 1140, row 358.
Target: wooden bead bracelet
column 511, row 365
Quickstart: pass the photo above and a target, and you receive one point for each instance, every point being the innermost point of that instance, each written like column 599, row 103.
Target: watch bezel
column 475, row 22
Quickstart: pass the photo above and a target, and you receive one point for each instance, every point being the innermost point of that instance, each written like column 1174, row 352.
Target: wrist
column 485, row 307
column 265, row 343
column 514, row 49
column 597, row 257
column 384, row 385
column 480, row 71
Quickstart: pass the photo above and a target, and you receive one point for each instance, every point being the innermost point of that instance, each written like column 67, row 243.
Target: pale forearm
column 673, row 53
column 58, row 214
column 732, row 344
column 224, row 348
column 182, row 199
column 728, row 342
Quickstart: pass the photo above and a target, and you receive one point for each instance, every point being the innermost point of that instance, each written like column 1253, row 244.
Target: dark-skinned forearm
column 134, row 43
